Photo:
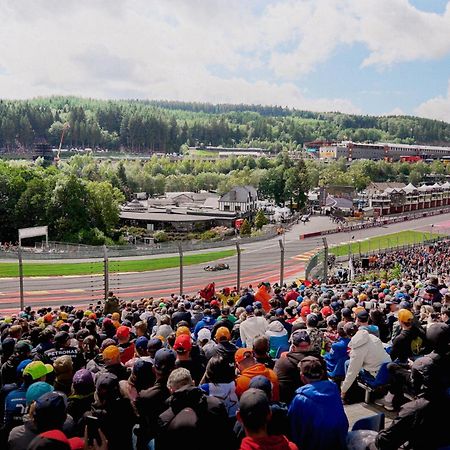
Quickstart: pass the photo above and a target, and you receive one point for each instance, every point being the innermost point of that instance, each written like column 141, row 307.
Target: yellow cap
column 405, row 316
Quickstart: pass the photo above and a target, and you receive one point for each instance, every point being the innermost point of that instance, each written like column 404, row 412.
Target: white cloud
column 233, row 51
column 436, row 108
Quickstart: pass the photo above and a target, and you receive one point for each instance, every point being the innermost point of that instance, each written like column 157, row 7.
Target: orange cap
column 111, row 352
column 242, row 353
column 223, row 334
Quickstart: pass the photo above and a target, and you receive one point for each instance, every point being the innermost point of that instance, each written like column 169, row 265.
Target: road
column 260, row 261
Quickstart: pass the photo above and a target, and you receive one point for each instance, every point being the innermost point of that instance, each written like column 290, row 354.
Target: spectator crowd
column 265, row 368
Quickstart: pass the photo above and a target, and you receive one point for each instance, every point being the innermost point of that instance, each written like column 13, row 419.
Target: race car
column 220, row 266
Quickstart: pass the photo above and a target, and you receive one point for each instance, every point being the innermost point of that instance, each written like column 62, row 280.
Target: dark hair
column 219, row 370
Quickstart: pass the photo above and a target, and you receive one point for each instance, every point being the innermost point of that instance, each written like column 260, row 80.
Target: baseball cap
column 204, row 335
column 36, row 390
column 183, row 330
column 326, row 311
column 182, row 344
column 55, row 440
column 332, row 320
column 254, row 408
column 263, row 383
column 312, row 320
column 50, row 406
column 111, row 352
column 23, row 347
column 363, row 315
column 223, row 334
column 249, row 309
column 123, row 332
column 37, row 369
column 242, row 353
column 350, row 328
column 62, row 337
column 83, row 378
column 300, row 337
column 405, row 316
column 279, row 312
column 305, row 311
column 105, row 380
column 22, row 366
column 311, row 368
column 165, row 359
column 346, row 312
column 154, row 344
column 141, row 342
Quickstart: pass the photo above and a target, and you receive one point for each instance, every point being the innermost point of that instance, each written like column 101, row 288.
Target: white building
column 241, row 199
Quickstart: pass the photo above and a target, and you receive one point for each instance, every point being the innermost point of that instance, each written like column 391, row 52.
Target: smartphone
column 92, row 430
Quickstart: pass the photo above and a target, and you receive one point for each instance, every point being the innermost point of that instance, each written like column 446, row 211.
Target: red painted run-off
column 60, row 296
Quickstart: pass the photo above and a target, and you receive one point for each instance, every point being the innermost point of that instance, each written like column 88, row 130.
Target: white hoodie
column 251, row 328
column 366, row 352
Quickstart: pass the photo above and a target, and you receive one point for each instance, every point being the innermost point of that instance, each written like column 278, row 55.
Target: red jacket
column 267, row 443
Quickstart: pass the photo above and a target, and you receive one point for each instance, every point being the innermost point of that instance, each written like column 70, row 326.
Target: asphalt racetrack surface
column 260, row 261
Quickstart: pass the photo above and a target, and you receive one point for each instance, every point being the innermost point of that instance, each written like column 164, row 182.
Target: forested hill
column 165, row 125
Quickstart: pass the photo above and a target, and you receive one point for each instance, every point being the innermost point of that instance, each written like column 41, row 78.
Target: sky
column 355, row 56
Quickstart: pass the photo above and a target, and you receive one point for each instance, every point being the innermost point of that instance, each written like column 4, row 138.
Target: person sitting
column 316, row 414
column 286, row 367
column 362, row 320
column 193, row 419
column 255, row 414
column 366, row 353
column 261, row 350
column 278, row 338
column 249, row 368
column 338, row 355
column 183, row 348
column 252, row 327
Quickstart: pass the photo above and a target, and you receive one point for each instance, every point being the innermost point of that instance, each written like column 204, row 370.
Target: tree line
column 163, row 126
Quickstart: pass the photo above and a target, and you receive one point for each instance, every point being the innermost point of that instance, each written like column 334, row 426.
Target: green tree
column 260, row 219
column 245, row 229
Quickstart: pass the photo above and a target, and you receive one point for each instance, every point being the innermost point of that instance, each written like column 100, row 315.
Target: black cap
column 23, row 347
column 106, row 380
column 254, row 408
column 165, row 359
column 363, row 316
column 62, row 337
column 300, row 337
column 346, row 312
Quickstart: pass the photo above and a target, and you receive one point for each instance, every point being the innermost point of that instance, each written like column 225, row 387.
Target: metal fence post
column 238, row 271
column 325, row 260
column 19, row 254
column 180, row 251
column 281, row 262
column 105, row 271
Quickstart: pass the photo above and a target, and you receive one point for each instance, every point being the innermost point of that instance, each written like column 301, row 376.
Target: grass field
column 382, row 242
column 140, row 265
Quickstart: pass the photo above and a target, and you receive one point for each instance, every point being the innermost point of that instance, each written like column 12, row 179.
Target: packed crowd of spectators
column 416, row 261
column 265, row 368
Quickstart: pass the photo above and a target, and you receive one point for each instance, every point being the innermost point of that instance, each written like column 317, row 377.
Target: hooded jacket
column 267, row 443
column 366, row 352
column 317, row 417
column 193, row 421
column 243, row 380
column 278, row 338
column 207, row 322
column 251, row 328
column 288, row 374
column 336, row 358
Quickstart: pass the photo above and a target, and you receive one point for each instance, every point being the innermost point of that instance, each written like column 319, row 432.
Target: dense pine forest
column 164, row 126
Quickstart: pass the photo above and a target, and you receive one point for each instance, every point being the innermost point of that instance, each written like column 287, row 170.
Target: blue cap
column 36, row 390
column 22, row 365
column 141, row 342
column 257, row 305
column 279, row 312
column 249, row 309
column 263, row 383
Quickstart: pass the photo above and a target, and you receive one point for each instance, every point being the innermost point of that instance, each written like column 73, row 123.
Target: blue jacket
column 317, row 417
column 15, row 406
column 336, row 358
column 206, row 322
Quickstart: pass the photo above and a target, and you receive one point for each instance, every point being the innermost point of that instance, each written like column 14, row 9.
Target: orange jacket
column 243, row 380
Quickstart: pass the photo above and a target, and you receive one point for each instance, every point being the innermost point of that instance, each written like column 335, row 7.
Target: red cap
column 305, row 311
column 326, row 311
column 214, row 303
column 123, row 332
column 182, row 344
